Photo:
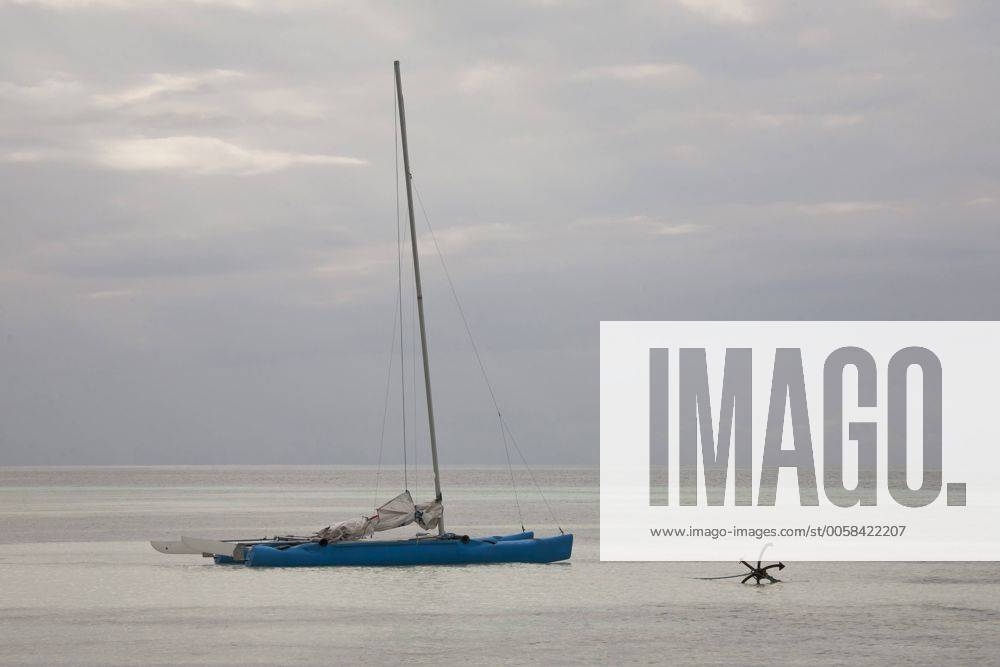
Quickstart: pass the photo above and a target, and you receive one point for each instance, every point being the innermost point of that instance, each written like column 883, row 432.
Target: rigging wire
column 482, row 369
column 531, row 474
column 413, row 382
column 510, row 470
column 385, row 408
column 399, row 286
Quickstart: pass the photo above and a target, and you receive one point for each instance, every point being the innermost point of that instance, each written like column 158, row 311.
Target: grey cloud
column 184, row 154
column 187, row 274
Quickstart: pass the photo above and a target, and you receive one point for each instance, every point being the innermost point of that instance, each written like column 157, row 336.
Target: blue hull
column 520, row 548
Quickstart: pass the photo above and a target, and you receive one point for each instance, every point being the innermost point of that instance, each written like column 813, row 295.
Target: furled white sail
column 400, row 511
column 428, row 515
column 352, row 529
column 395, row 513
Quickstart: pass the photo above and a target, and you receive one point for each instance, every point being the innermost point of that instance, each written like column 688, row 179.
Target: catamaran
column 350, row 542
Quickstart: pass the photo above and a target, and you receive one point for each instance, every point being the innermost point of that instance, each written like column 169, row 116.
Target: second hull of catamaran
column 519, row 548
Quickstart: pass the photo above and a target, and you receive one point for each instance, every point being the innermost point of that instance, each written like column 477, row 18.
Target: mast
column 420, row 294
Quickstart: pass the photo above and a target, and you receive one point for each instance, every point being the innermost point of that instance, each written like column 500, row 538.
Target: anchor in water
column 759, row 573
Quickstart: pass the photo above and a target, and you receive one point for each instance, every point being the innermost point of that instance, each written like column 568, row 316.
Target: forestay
column 400, row 511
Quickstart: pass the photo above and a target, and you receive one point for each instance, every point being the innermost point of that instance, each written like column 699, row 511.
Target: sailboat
column 350, row 543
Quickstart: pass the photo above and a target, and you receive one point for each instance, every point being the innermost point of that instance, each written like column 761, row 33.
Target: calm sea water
column 80, row 585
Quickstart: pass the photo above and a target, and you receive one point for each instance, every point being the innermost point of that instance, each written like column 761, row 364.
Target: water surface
column 80, row 584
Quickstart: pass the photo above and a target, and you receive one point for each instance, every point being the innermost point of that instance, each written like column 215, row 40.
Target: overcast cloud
column 198, row 214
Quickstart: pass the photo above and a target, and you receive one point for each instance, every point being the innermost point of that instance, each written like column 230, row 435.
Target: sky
column 198, row 207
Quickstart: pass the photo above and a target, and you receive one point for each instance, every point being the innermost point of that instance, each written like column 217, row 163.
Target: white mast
column 420, row 295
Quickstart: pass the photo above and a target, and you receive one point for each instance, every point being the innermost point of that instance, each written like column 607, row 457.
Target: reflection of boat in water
column 347, row 543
